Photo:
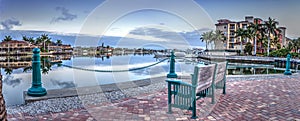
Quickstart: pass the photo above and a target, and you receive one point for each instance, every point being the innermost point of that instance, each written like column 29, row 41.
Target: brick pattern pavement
column 272, row 99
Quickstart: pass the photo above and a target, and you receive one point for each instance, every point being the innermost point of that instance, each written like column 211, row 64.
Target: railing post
column 169, row 98
column 36, row 88
column 287, row 69
column 172, row 73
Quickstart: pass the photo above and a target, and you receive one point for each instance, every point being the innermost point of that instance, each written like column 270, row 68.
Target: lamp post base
column 287, row 73
column 172, row 75
column 36, row 91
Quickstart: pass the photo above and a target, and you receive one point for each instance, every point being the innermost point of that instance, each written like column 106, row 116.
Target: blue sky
column 118, row 18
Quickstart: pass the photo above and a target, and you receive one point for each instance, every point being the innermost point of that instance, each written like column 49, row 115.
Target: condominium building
column 229, row 28
column 15, row 47
column 21, row 47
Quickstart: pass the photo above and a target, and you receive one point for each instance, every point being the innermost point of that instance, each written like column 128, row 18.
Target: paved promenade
column 275, row 97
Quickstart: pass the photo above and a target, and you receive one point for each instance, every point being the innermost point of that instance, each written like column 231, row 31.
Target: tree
column 45, row 39
column 7, row 38
column 240, row 32
column 25, row 38
column 253, row 32
column 294, row 44
column 207, row 37
column 271, row 28
column 248, row 48
column 29, row 39
column 218, row 36
column 59, row 42
column 38, row 41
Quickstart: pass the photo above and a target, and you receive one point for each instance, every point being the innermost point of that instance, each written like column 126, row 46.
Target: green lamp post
column 172, row 73
column 287, row 69
column 36, row 88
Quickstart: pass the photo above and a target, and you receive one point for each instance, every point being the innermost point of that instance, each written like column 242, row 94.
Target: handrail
column 133, row 69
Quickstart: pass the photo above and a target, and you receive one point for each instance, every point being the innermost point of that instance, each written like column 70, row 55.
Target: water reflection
column 67, row 84
column 11, row 81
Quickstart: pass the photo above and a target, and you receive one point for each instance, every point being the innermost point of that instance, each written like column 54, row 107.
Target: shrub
column 279, row 53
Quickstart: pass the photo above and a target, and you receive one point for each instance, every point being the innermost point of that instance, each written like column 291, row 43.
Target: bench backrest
column 203, row 76
column 220, row 71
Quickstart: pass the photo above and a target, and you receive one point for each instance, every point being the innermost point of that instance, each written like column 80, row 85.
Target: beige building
column 229, row 28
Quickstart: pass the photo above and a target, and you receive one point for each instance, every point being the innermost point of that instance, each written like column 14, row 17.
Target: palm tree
column 254, row 33
column 25, row 38
column 59, row 42
column 38, row 40
column 294, row 44
column 271, row 28
column 218, row 36
column 240, row 32
column 48, row 41
column 7, row 38
column 28, row 39
column 207, row 37
column 45, row 39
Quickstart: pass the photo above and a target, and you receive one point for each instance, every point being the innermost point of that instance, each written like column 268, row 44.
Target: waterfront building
column 15, row 47
column 229, row 28
column 20, row 47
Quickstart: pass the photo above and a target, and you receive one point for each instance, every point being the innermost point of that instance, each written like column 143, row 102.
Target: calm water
column 64, row 77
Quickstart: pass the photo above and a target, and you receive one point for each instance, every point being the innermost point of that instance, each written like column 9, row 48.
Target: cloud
column 10, row 23
column 65, row 15
column 167, row 36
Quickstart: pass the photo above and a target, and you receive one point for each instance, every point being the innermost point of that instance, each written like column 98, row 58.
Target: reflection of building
column 15, row 47
column 15, row 62
column 229, row 28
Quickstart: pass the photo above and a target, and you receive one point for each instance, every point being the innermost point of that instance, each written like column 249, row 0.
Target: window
column 231, row 45
column 225, row 27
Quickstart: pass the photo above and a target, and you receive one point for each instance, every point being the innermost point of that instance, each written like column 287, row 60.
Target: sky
column 145, row 21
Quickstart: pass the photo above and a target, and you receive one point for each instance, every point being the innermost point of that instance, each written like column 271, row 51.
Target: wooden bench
column 205, row 79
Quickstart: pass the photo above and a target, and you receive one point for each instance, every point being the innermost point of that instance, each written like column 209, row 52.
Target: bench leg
column 224, row 87
column 169, row 99
column 194, row 116
column 213, row 94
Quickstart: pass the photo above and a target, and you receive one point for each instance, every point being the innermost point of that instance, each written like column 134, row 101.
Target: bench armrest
column 180, row 82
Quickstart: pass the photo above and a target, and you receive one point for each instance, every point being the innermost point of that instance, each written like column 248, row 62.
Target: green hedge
column 283, row 53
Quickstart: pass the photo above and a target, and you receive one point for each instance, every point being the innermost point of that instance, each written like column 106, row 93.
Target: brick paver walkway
column 268, row 99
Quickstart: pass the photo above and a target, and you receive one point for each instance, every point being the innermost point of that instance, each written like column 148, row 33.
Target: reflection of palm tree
column 46, row 65
column 27, row 69
column 8, row 71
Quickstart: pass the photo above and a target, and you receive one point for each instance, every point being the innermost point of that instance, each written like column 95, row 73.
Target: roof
column 14, row 41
